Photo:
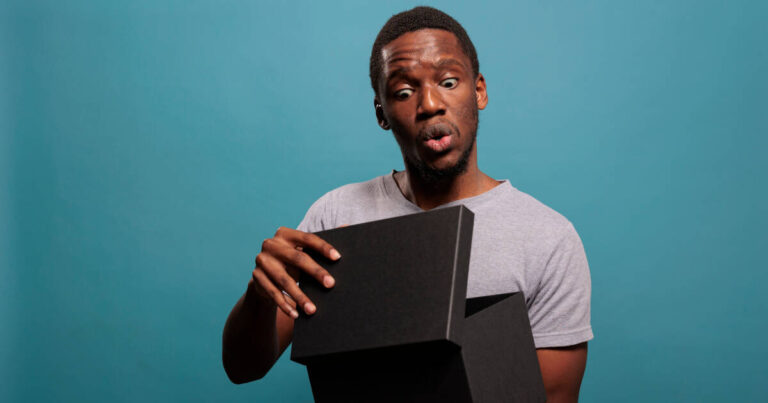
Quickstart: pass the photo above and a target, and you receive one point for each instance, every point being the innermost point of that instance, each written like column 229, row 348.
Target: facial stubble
column 436, row 176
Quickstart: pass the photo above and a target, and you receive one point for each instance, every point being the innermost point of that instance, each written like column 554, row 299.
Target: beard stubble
column 436, row 176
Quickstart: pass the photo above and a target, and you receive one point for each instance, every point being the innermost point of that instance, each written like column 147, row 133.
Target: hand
column 280, row 262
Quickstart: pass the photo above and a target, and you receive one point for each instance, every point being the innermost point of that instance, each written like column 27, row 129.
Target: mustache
column 438, row 130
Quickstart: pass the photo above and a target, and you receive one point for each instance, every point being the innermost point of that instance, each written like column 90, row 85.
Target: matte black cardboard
column 397, row 325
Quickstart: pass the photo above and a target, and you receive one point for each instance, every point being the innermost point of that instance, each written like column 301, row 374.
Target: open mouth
column 438, row 137
column 440, row 142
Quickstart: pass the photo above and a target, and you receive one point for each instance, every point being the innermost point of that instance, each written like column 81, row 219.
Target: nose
column 431, row 103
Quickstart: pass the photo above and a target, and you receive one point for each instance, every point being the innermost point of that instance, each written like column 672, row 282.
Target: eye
column 449, row 83
column 404, row 93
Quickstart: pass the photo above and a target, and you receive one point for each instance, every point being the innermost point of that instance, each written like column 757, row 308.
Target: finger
column 294, row 293
column 280, row 277
column 289, row 299
column 274, row 293
column 308, row 240
column 297, row 259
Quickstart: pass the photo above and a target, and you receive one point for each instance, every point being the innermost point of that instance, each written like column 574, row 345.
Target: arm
column 255, row 335
column 260, row 326
column 560, row 318
column 562, row 369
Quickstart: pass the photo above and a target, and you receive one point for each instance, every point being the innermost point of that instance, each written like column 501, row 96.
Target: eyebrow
column 440, row 63
column 398, row 72
column 449, row 62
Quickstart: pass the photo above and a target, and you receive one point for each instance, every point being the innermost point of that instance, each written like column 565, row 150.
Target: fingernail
column 335, row 255
column 294, row 314
column 309, row 307
column 328, row 281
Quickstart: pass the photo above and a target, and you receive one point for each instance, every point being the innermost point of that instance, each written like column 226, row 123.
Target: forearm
column 562, row 370
column 250, row 341
column 257, row 332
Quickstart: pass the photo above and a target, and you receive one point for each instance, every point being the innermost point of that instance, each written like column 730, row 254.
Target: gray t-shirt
column 518, row 244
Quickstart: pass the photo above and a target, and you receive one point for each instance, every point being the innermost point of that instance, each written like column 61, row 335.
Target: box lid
column 400, row 281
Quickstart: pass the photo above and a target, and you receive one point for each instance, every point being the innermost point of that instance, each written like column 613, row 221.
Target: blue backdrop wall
column 149, row 147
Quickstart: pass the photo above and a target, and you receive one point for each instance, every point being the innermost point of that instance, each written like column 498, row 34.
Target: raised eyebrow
column 402, row 71
column 398, row 72
column 449, row 62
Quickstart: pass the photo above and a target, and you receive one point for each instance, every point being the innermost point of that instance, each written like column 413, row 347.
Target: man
column 428, row 90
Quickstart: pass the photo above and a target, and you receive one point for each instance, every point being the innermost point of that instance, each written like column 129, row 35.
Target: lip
column 439, row 143
column 438, row 137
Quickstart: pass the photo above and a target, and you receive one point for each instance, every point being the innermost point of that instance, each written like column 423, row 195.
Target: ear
column 383, row 123
column 480, row 90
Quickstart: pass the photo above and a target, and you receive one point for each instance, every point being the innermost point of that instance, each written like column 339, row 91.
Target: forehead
column 423, row 46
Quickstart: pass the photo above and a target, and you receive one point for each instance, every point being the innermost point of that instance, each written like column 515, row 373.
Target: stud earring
column 379, row 112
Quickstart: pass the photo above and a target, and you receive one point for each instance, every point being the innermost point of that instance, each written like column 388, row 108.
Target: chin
column 444, row 165
column 445, row 168
column 438, row 173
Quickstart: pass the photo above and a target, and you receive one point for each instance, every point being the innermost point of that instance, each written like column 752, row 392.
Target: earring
column 384, row 124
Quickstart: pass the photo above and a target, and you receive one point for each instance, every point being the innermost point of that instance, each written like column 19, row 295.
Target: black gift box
column 397, row 327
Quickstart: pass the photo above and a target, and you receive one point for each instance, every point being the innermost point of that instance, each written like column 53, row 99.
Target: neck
column 428, row 195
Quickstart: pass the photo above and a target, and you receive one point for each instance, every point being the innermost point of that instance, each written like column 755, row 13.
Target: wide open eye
column 450, row 83
column 404, row 93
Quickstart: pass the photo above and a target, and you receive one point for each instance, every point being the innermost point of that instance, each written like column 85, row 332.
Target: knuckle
column 297, row 258
column 259, row 261
column 267, row 244
column 306, row 237
column 280, row 231
column 286, row 282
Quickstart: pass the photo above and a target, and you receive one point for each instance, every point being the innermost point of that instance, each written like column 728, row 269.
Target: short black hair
column 414, row 20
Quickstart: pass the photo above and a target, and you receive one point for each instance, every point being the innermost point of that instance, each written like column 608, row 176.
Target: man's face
column 430, row 98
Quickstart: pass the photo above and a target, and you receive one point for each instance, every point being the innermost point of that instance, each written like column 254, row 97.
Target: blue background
column 149, row 147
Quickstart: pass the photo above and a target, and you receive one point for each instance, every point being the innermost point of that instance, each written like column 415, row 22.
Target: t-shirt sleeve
column 316, row 217
column 560, row 310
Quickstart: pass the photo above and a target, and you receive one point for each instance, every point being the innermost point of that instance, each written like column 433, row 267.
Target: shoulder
column 357, row 193
column 541, row 212
column 324, row 212
column 535, row 221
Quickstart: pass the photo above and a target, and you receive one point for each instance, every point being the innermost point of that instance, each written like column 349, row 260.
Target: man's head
column 414, row 20
column 424, row 71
